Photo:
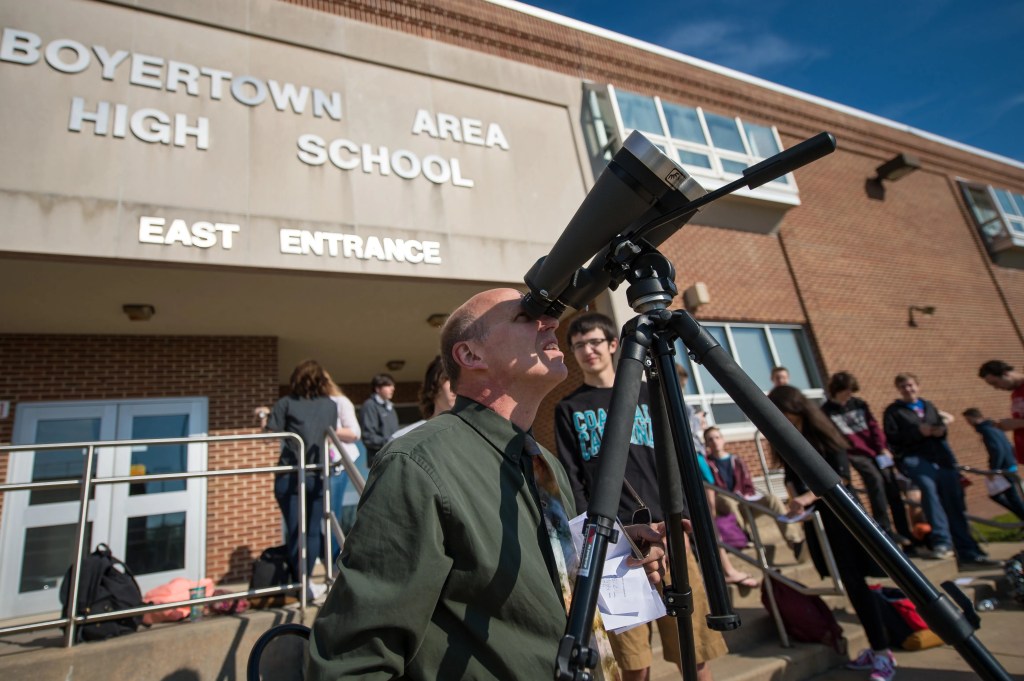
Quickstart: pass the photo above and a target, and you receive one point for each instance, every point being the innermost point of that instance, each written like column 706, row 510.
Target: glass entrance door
column 157, row 528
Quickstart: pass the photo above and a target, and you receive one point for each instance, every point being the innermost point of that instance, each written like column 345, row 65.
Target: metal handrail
column 88, row 481
column 770, row 571
column 331, row 521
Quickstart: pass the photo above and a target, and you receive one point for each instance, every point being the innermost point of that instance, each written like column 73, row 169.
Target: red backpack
column 806, row 617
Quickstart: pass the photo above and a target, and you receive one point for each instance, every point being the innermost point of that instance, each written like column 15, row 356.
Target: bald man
column 449, row 572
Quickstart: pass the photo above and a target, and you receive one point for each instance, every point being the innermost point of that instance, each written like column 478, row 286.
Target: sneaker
column 942, row 551
column 884, row 667
column 899, row 539
column 979, row 562
column 865, row 660
column 315, row 592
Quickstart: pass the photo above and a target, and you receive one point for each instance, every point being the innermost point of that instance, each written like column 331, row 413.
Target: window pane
column 733, row 166
column 48, row 553
column 691, row 385
column 706, row 379
column 691, row 158
column 1017, row 226
column 754, row 355
column 683, row 123
column 761, row 140
column 1005, row 201
column 152, row 459
column 639, row 113
column 727, row 414
column 61, row 464
column 790, row 345
column 156, row 543
column 1019, row 201
column 724, row 133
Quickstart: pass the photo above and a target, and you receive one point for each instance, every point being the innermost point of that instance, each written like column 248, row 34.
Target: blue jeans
column 286, row 492
column 338, row 484
column 942, row 500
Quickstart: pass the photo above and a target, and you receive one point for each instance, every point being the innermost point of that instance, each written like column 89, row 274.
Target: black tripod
column 648, row 343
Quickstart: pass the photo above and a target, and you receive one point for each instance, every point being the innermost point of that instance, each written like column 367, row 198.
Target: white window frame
column 717, row 175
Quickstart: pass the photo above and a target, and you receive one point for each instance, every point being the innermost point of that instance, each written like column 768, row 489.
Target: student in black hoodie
column 579, row 427
column 869, row 453
column 917, row 435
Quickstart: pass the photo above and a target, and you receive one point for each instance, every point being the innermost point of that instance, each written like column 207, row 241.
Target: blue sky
column 950, row 67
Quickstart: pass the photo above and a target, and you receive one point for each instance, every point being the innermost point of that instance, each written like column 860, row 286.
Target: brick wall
column 234, row 373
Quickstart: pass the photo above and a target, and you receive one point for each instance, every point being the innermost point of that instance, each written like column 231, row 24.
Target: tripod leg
column 678, row 596
column 721, row 618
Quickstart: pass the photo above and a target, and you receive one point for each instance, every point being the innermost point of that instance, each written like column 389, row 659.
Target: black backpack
column 271, row 569
column 103, row 588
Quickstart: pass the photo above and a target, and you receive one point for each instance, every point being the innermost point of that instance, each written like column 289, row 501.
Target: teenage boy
column 731, row 473
column 579, row 427
column 1002, row 488
column 1002, row 376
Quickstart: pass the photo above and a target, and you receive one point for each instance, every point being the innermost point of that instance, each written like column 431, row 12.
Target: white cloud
column 729, row 44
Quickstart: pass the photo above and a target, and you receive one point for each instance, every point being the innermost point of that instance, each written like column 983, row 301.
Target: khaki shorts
column 632, row 648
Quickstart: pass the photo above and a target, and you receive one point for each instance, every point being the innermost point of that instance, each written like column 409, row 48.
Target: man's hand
column 653, row 536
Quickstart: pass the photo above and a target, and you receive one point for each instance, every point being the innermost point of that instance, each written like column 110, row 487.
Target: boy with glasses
column 579, row 426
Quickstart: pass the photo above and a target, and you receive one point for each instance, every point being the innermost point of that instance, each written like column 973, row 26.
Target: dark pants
column 1011, row 501
column 883, row 493
column 942, row 499
column 854, row 567
column 286, row 491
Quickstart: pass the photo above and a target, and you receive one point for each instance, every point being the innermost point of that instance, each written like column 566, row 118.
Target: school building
column 197, row 196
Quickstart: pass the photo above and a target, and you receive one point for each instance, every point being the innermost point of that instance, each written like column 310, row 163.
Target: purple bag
column 730, row 532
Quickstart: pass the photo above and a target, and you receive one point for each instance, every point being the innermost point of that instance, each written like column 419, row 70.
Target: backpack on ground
column 271, row 569
column 178, row 589
column 105, row 585
column 805, row 617
column 905, row 626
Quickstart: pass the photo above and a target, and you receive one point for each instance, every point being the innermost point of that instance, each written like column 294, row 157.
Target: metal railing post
column 327, row 511
column 76, row 565
column 303, row 577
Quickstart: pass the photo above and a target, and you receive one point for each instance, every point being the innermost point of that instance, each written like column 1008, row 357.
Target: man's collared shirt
column 448, row 571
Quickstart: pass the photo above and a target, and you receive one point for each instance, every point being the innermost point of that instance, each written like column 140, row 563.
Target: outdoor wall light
column 138, row 313
column 395, row 364
column 897, row 167
column 923, row 309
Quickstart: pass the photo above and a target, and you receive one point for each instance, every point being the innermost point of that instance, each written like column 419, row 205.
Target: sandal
column 743, row 580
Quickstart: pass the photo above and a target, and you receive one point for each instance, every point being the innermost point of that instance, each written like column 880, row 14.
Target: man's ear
column 613, row 345
column 466, row 356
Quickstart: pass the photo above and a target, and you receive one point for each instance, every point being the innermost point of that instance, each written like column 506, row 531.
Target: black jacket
column 905, row 438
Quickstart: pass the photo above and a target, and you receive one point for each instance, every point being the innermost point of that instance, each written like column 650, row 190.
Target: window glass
column 724, row 133
column 761, row 140
column 691, row 385
column 730, row 166
column 61, row 464
column 48, row 552
column 639, row 113
column 793, row 355
column 155, row 543
column 706, row 379
column 691, row 158
column 1016, row 225
column 683, row 123
column 728, row 413
column 1005, row 201
column 154, row 459
column 754, row 354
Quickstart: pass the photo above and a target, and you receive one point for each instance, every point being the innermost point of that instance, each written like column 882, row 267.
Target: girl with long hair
column 853, row 564
column 308, row 412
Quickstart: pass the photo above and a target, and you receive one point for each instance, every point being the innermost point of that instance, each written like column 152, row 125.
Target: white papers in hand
column 627, row 598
